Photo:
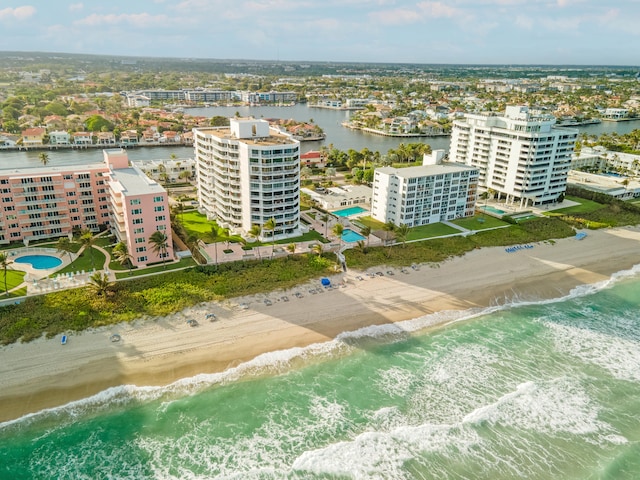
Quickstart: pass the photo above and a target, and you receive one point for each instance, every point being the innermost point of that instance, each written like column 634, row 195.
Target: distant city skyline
column 554, row 32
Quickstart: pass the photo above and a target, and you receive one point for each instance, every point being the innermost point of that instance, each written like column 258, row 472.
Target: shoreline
column 44, row 374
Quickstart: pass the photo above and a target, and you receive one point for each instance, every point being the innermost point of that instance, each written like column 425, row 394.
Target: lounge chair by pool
column 63, row 340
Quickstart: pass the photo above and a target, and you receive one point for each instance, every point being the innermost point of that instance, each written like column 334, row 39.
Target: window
column 140, row 240
column 160, row 218
column 141, row 249
column 134, row 201
column 142, row 259
column 159, row 208
column 158, row 199
column 137, row 221
column 139, row 230
column 136, row 211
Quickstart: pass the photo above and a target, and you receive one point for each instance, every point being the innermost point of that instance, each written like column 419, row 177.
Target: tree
column 338, row 228
column 122, row 255
column 330, row 172
column 95, row 123
column 270, row 225
column 160, row 245
column 4, row 264
column 366, row 231
column 64, row 245
column 214, row 235
column 99, row 284
column 401, row 233
column 87, row 240
column 254, row 232
column 291, row 248
column 44, row 158
column 325, row 220
column 317, row 249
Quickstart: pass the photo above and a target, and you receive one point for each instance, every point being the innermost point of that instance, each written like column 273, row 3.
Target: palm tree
column 122, row 255
column 159, row 244
column 270, row 225
column 401, row 233
column 178, row 209
column 366, row 231
column 4, row 263
column 338, row 228
column 44, row 158
column 65, row 245
column 254, row 232
column 87, row 240
column 291, row 248
column 99, row 284
column 325, row 220
column 214, row 237
column 317, row 249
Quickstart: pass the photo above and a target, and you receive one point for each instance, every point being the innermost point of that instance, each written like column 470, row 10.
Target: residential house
column 8, row 140
column 129, row 137
column 169, row 136
column 59, row 138
column 313, row 159
column 33, row 137
column 82, row 139
column 105, row 138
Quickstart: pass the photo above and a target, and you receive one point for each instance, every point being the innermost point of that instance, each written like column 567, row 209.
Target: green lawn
column 83, row 262
column 184, row 262
column 585, row 206
column 197, row 224
column 370, row 222
column 479, row 222
column 430, row 231
column 14, row 278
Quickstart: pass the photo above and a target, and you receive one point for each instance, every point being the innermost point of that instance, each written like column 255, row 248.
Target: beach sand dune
column 44, row 373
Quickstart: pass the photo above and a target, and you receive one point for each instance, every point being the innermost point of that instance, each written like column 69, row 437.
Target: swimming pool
column 40, row 262
column 349, row 212
column 489, row 208
column 350, row 236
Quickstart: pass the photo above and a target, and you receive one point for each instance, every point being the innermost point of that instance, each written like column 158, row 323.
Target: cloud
column 18, row 13
column 140, row 20
column 423, row 11
column 74, row 7
column 524, row 22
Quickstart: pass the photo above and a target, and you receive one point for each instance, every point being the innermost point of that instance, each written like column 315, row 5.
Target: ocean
column 546, row 390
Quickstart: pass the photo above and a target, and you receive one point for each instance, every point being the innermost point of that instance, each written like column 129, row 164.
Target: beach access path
column 159, row 351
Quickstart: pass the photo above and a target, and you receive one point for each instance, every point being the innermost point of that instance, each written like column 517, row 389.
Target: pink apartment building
column 139, row 206
column 50, row 202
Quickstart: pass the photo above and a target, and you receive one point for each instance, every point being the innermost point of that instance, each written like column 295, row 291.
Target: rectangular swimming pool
column 348, row 212
column 350, row 236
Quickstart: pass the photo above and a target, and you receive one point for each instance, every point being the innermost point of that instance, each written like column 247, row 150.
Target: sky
column 556, row 32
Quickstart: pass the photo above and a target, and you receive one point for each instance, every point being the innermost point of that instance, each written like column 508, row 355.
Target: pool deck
column 38, row 273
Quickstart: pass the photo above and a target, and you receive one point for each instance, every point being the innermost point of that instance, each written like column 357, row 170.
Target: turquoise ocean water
column 546, row 390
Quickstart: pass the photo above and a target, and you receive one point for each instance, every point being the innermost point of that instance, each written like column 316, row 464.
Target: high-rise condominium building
column 429, row 193
column 519, row 155
column 248, row 174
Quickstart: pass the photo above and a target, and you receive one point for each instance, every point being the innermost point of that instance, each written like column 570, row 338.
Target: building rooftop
column 425, row 170
column 52, row 170
column 135, row 181
column 609, row 184
column 274, row 138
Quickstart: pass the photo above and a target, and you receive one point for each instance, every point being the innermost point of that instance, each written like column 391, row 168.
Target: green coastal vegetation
column 101, row 304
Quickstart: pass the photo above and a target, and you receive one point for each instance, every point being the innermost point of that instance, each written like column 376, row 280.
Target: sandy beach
column 44, row 373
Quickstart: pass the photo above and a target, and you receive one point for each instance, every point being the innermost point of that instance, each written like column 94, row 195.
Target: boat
column 63, row 340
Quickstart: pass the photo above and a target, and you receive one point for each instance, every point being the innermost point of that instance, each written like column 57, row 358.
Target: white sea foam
column 619, row 356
